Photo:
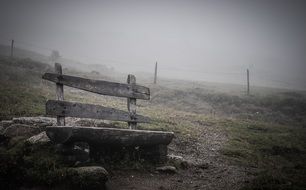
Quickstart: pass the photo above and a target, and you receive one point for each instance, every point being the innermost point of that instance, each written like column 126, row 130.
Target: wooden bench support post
column 59, row 93
column 131, row 103
column 65, row 149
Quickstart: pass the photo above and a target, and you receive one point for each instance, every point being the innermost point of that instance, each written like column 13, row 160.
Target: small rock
column 6, row 123
column 174, row 157
column 92, row 170
column 40, row 138
column 21, row 130
column 89, row 177
column 166, row 169
column 198, row 171
column 35, row 121
column 203, row 166
column 77, row 163
column 178, row 161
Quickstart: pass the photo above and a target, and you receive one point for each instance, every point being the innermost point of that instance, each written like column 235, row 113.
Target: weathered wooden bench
column 151, row 143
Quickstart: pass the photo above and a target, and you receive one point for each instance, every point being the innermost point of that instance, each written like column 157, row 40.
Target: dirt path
column 207, row 170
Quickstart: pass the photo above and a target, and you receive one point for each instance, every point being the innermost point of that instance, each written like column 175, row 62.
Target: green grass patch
column 278, row 153
column 20, row 101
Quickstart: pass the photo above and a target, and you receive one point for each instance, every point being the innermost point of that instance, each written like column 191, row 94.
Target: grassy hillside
column 265, row 133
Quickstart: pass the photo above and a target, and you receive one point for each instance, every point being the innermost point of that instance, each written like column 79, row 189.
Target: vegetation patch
column 20, row 101
column 26, row 164
column 277, row 153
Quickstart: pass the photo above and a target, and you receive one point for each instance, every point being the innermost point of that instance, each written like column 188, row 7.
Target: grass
column 22, row 163
column 277, row 152
column 20, row 101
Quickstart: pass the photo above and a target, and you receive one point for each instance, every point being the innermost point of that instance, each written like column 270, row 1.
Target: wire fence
column 256, row 77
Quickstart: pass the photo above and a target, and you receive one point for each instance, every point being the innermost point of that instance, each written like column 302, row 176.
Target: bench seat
column 108, row 136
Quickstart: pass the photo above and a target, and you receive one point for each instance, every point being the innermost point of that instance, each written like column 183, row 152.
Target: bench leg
column 73, row 152
column 95, row 154
column 107, row 154
column 157, row 153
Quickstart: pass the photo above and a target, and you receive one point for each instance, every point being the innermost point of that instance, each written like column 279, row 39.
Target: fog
column 194, row 40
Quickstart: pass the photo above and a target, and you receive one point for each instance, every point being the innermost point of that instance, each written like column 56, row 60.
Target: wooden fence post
column 131, row 103
column 12, row 48
column 248, row 82
column 59, row 93
column 155, row 73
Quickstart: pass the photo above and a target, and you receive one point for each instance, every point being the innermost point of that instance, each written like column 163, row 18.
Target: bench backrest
column 62, row 109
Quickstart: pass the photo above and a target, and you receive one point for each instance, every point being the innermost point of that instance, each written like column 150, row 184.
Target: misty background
column 212, row 41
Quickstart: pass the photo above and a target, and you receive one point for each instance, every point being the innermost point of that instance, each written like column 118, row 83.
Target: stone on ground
column 40, row 138
column 35, row 121
column 21, row 130
column 89, row 177
column 178, row 161
column 6, row 123
column 166, row 169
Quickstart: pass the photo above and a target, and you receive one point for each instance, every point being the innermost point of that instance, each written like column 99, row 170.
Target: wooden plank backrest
column 62, row 109
column 75, row 109
column 101, row 87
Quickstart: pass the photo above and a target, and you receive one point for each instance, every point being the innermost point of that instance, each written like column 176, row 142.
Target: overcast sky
column 197, row 40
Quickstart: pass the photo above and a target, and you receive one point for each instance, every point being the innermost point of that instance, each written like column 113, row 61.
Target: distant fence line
column 254, row 76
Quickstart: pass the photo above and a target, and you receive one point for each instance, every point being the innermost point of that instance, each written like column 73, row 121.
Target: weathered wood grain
column 101, row 87
column 74, row 109
column 108, row 136
column 59, row 92
column 131, row 103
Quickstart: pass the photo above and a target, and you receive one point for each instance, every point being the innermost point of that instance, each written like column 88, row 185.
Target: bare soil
column 207, row 168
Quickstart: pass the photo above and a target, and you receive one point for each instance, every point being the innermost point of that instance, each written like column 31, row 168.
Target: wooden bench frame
column 154, row 141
